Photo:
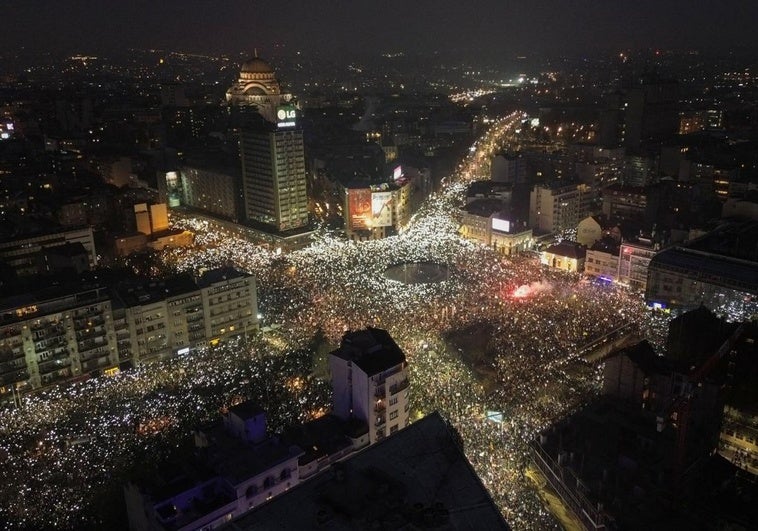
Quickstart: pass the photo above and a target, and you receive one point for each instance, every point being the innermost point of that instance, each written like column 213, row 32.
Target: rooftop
column 484, row 207
column 373, row 350
column 322, row 437
column 218, row 275
column 734, row 240
column 246, row 410
column 418, row 478
column 568, row 249
column 237, row 460
column 606, row 244
column 145, row 292
column 710, row 267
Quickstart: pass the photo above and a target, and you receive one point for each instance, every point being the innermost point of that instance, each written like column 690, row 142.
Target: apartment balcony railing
column 53, row 365
column 89, row 344
column 14, row 376
column 400, row 386
column 89, row 322
column 93, row 353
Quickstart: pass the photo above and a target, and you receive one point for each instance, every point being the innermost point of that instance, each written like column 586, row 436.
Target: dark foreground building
column 417, row 479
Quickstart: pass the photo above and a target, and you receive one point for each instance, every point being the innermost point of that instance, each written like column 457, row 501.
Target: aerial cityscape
column 379, row 266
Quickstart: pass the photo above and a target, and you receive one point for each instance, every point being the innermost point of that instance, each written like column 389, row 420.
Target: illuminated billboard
column 397, row 173
column 381, row 209
column 501, row 225
column 359, row 208
column 173, row 189
column 286, row 116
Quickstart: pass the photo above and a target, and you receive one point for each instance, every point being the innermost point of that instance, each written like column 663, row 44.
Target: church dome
column 256, row 65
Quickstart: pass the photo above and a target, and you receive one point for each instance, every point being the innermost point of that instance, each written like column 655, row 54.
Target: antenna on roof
column 255, row 51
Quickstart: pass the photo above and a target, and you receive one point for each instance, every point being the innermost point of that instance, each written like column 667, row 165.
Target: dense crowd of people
column 63, row 449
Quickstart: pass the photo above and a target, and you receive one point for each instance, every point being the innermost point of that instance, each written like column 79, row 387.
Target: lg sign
column 286, row 117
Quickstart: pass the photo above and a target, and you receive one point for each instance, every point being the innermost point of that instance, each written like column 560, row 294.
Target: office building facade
column 273, row 176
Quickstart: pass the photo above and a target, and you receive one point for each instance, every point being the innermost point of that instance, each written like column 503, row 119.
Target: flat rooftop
column 709, row 266
column 416, row 478
column 373, row 350
column 146, row 292
column 237, row 460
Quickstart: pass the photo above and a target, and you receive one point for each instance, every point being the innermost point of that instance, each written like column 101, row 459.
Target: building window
column 393, row 428
column 393, row 415
column 393, row 400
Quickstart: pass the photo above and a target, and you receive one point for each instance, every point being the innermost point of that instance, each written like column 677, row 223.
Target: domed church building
column 257, row 86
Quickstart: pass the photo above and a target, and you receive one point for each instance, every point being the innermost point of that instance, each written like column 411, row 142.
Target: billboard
column 359, row 208
column 381, row 209
column 286, row 116
column 173, row 189
column 397, row 173
column 501, row 225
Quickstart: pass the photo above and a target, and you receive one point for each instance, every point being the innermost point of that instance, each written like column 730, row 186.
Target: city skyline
column 488, row 28
column 449, row 263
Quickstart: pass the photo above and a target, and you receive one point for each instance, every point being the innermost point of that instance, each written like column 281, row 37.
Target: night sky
column 525, row 27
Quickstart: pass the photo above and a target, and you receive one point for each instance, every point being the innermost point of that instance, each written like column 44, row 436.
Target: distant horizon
column 486, row 28
column 461, row 55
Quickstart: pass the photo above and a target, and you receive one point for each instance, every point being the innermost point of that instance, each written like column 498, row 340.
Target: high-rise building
column 508, row 168
column 651, row 113
column 273, row 174
column 271, row 149
column 553, row 208
column 370, row 379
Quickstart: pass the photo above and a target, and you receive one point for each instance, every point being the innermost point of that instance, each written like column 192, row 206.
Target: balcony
column 197, row 336
column 47, row 331
column 9, row 354
column 11, row 364
column 50, row 343
column 195, row 316
column 91, row 322
column 381, row 391
column 380, row 406
column 95, row 364
column 89, row 344
column 53, row 365
column 380, row 421
column 400, row 386
column 88, row 312
column 94, row 353
column 90, row 333
column 12, row 377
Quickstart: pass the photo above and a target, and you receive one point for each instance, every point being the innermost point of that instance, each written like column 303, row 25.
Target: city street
column 68, row 450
